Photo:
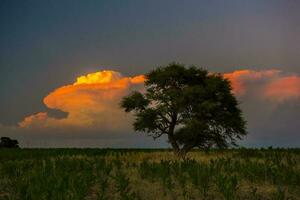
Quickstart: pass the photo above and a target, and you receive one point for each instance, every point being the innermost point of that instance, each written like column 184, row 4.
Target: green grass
column 149, row 174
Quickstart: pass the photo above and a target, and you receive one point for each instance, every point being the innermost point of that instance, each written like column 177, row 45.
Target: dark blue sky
column 46, row 44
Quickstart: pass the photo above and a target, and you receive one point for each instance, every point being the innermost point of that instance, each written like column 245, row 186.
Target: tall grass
column 149, row 174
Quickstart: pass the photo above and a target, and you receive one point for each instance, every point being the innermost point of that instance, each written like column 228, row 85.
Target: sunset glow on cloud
column 91, row 102
column 241, row 78
column 104, row 76
column 272, row 84
column 36, row 120
column 284, row 88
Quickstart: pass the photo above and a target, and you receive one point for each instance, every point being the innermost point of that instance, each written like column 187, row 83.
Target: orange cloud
column 240, row 78
column 284, row 88
column 272, row 84
column 34, row 120
column 105, row 76
column 91, row 102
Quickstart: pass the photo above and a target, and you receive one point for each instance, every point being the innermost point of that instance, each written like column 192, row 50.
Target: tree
column 6, row 142
column 192, row 107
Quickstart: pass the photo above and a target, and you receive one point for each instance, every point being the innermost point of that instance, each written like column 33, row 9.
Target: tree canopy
column 192, row 107
column 6, row 142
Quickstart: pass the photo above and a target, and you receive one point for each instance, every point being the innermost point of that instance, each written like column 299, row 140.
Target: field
column 149, row 174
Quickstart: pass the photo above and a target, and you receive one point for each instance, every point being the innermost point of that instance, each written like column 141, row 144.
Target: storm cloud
column 269, row 99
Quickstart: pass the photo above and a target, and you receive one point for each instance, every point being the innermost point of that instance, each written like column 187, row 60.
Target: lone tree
column 6, row 142
column 192, row 107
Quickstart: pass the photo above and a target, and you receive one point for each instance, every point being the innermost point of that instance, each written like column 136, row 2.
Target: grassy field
column 149, row 174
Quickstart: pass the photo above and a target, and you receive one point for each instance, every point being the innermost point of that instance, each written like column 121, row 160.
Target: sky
column 65, row 65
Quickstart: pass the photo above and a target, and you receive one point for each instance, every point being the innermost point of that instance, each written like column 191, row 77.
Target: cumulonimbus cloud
column 272, row 85
column 90, row 102
column 241, row 79
column 284, row 88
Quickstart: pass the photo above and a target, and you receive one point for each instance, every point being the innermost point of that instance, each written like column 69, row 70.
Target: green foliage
column 6, row 142
column 227, row 185
column 254, row 195
column 57, row 174
column 102, row 172
column 32, row 179
column 279, row 194
column 122, row 186
column 191, row 106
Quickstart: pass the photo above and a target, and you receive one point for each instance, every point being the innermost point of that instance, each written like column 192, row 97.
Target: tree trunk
column 181, row 153
column 171, row 138
column 185, row 149
column 174, row 144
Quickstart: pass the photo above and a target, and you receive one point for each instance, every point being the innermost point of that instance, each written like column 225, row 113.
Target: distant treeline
column 6, row 142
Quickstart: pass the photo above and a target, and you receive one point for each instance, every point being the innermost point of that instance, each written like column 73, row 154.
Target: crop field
column 149, row 174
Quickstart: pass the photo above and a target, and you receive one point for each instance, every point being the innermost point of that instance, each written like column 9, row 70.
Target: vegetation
column 6, row 142
column 149, row 174
column 189, row 105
